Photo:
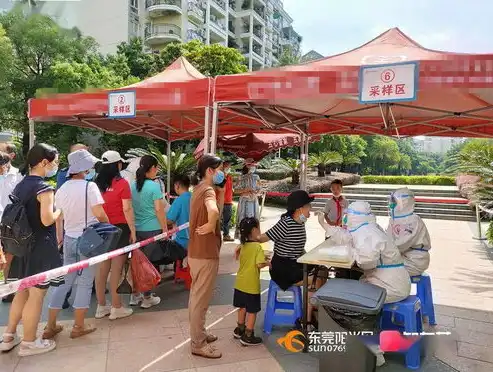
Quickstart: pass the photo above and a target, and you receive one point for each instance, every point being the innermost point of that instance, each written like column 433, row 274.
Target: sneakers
column 238, row 332
column 36, row 347
column 136, row 299
column 208, row 351
column 7, row 346
column 150, row 302
column 102, row 311
column 249, row 339
column 120, row 312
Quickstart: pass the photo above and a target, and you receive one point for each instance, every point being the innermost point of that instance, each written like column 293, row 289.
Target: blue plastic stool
column 405, row 316
column 425, row 295
column 272, row 317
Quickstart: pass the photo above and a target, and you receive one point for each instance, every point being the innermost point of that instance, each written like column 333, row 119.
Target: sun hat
column 110, row 157
column 298, row 199
column 81, row 161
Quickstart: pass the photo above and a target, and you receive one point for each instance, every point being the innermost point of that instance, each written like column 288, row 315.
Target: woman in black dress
column 38, row 196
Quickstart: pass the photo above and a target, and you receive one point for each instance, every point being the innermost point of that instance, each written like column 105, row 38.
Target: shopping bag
column 144, row 275
column 126, row 285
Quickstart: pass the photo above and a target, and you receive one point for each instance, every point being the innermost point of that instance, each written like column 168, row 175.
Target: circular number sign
column 387, row 76
column 121, row 100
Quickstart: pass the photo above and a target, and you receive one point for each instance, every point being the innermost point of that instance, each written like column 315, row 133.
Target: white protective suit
column 409, row 232
column 374, row 251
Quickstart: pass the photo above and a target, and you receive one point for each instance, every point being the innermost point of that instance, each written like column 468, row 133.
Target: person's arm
column 128, row 211
column 212, row 213
column 260, row 259
column 174, row 212
column 160, row 214
column 46, row 200
column 99, row 213
column 59, row 230
column 220, row 191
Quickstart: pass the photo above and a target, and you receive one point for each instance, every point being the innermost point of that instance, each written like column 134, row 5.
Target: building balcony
column 195, row 12
column 219, row 29
column 220, row 4
column 196, row 34
column 159, row 8
column 260, row 11
column 259, row 34
column 161, row 34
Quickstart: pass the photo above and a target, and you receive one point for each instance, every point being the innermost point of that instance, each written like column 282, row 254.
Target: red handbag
column 145, row 277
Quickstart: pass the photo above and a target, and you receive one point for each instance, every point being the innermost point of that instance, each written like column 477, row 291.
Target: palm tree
column 352, row 161
column 324, row 162
column 291, row 166
column 180, row 163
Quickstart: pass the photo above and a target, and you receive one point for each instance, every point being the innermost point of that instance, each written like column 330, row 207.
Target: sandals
column 50, row 333
column 78, row 331
column 9, row 345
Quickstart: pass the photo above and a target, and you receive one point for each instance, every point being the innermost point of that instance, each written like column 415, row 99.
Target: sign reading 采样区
column 388, row 83
column 122, row 104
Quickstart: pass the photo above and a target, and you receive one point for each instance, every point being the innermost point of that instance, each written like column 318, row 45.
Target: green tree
column 142, row 65
column 38, row 44
column 289, row 56
column 291, row 166
column 383, row 153
column 324, row 161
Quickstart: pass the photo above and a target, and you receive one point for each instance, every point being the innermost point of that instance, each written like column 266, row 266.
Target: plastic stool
column 425, row 295
column 272, row 318
column 183, row 274
column 405, row 316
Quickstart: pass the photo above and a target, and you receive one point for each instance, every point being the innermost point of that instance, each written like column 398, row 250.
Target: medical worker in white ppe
column 409, row 232
column 374, row 252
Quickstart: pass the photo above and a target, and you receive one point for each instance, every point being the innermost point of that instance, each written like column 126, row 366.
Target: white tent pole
column 206, row 130
column 215, row 111
column 168, row 177
column 31, row 133
column 303, row 162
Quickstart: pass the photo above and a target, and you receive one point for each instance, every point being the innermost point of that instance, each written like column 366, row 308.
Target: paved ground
column 413, row 187
column 156, row 340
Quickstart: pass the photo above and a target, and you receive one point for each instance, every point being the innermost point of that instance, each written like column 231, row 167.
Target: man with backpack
column 9, row 178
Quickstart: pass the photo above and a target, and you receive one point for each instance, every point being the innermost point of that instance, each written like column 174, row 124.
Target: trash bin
column 348, row 313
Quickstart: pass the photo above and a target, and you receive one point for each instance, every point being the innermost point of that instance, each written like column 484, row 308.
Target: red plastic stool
column 183, row 274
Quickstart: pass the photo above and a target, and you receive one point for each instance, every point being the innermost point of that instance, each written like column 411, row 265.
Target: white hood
column 409, row 232
column 358, row 215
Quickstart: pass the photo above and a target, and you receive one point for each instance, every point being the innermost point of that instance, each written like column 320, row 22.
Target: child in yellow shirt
column 247, row 285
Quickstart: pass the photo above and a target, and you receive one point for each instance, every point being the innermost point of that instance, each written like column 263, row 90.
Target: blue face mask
column 303, row 218
column 218, row 177
column 89, row 176
column 51, row 172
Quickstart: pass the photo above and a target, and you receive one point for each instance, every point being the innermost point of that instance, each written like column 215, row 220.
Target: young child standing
column 247, row 285
column 335, row 206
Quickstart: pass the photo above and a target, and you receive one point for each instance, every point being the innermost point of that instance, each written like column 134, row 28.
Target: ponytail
column 195, row 178
column 146, row 163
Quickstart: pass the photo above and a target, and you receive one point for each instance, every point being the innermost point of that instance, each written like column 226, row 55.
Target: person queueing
column 81, row 204
column 179, row 214
column 335, row 206
column 203, row 252
column 9, row 178
column 247, row 187
column 247, row 285
column 289, row 237
column 409, row 232
column 118, row 207
column 150, row 219
column 228, row 203
column 41, row 163
column 62, row 175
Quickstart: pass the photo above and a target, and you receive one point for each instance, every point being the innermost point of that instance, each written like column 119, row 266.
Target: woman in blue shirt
column 150, row 218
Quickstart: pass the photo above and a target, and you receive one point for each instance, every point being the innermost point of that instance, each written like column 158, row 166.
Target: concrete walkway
column 412, row 187
column 157, row 340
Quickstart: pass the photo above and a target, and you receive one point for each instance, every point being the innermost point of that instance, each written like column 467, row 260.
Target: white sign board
column 388, row 83
column 122, row 104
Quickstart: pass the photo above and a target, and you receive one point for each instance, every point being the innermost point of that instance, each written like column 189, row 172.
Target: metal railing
column 150, row 3
column 221, row 3
column 163, row 29
column 195, row 35
column 258, row 33
column 222, row 26
column 193, row 7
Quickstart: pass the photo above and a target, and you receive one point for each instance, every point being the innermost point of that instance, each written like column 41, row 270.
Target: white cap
column 110, row 157
column 81, row 161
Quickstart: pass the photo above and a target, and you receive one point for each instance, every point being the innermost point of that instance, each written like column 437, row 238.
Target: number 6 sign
column 387, row 76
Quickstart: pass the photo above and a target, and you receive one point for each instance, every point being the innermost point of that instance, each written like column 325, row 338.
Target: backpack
column 16, row 233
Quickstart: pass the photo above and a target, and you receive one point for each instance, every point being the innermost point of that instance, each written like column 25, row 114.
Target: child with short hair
column 247, row 285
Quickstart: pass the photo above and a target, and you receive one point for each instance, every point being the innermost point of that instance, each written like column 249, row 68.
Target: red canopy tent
column 253, row 145
column 169, row 105
column 455, row 95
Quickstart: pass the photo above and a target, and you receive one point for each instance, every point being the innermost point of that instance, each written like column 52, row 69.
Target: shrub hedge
column 410, row 180
column 272, row 175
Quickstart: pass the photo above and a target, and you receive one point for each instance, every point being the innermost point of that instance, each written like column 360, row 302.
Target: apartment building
column 438, row 145
column 260, row 29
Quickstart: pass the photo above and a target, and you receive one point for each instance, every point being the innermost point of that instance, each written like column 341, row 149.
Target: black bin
column 349, row 309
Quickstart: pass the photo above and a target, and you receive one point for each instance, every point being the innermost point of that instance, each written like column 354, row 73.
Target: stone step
column 387, row 191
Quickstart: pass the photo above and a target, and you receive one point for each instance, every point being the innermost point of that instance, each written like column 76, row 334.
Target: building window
column 134, row 4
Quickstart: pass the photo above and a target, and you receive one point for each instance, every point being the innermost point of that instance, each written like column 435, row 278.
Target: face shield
column 357, row 215
column 401, row 203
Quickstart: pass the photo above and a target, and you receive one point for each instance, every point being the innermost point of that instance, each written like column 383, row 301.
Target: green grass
column 410, row 180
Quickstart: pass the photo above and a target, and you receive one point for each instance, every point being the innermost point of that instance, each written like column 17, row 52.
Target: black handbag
column 98, row 238
column 125, row 287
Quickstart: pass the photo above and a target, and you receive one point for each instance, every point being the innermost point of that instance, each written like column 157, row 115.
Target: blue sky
column 334, row 26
